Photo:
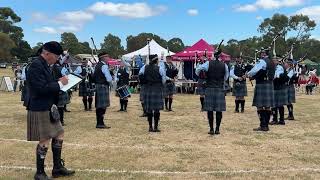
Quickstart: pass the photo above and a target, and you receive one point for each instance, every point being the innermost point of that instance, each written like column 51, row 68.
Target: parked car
column 3, row 65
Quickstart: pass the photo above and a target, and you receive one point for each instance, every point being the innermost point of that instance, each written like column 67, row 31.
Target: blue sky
column 190, row 20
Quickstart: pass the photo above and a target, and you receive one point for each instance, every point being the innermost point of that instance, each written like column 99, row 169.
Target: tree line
column 299, row 27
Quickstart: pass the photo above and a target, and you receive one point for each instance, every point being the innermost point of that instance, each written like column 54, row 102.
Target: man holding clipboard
column 43, row 122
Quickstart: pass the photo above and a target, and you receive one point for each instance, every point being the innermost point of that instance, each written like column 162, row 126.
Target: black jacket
column 43, row 89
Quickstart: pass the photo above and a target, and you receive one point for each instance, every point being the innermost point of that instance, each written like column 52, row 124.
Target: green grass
column 183, row 145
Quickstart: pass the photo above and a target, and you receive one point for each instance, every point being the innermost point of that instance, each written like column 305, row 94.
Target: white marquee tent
column 155, row 48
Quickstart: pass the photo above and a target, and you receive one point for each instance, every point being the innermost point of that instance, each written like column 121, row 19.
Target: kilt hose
column 102, row 98
column 63, row 99
column 169, row 89
column 239, row 89
column 291, row 94
column 214, row 100
column 153, row 97
column 84, row 91
column 263, row 95
column 39, row 126
column 280, row 97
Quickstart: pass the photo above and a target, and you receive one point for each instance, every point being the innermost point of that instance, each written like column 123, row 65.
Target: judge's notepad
column 72, row 81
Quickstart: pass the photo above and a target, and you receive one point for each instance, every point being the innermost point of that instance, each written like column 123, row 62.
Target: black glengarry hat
column 53, row 47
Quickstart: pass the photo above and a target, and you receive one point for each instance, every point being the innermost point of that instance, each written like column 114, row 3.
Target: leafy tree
column 303, row 25
column 175, row 45
column 136, row 42
column 5, row 47
column 23, row 51
column 112, row 45
column 70, row 42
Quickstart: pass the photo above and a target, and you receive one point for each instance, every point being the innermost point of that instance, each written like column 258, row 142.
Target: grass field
column 183, row 149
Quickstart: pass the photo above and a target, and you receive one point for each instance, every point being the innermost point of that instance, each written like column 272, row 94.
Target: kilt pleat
column 201, row 90
column 263, row 95
column 239, row 89
column 39, row 126
column 214, row 99
column 83, row 90
column 141, row 94
column 280, row 97
column 63, row 99
column 169, row 89
column 291, row 94
column 153, row 97
column 102, row 98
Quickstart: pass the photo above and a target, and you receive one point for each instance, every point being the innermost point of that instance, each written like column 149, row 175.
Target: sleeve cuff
column 60, row 84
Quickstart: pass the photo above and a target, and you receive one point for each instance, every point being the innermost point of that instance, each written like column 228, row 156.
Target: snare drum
column 123, row 92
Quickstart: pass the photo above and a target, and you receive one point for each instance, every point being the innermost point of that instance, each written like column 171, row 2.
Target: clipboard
column 73, row 80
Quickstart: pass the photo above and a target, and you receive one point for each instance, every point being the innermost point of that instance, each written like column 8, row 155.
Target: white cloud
column 193, row 12
column 315, row 37
column 74, row 17
column 70, row 28
column 246, row 8
column 125, row 10
column 268, row 4
column 313, row 12
column 46, row 29
column 37, row 16
column 259, row 18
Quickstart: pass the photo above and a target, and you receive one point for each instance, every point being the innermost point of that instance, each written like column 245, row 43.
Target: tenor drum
column 123, row 91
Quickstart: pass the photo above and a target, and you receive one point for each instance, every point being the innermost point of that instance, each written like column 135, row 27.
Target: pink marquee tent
column 200, row 47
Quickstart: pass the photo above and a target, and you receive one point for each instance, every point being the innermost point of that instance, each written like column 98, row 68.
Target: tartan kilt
column 201, row 89
column 83, row 90
column 239, row 89
column 214, row 99
column 169, row 89
column 291, row 94
column 39, row 126
column 280, row 97
column 63, row 99
column 141, row 92
column 263, row 95
column 102, row 98
column 153, row 97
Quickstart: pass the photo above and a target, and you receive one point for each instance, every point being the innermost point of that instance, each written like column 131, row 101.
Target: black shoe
column 217, row 132
column 236, row 111
column 261, row 129
column 120, row 110
column 242, row 110
column 41, row 176
column 150, row 130
column 61, row 171
column 63, row 124
column 290, row 118
column 281, row 123
column 102, row 126
column 273, row 122
column 156, row 130
column 170, row 110
column 211, row 132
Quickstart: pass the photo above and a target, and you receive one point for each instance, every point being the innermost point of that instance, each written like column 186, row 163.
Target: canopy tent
column 186, row 58
column 199, row 48
column 155, row 48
